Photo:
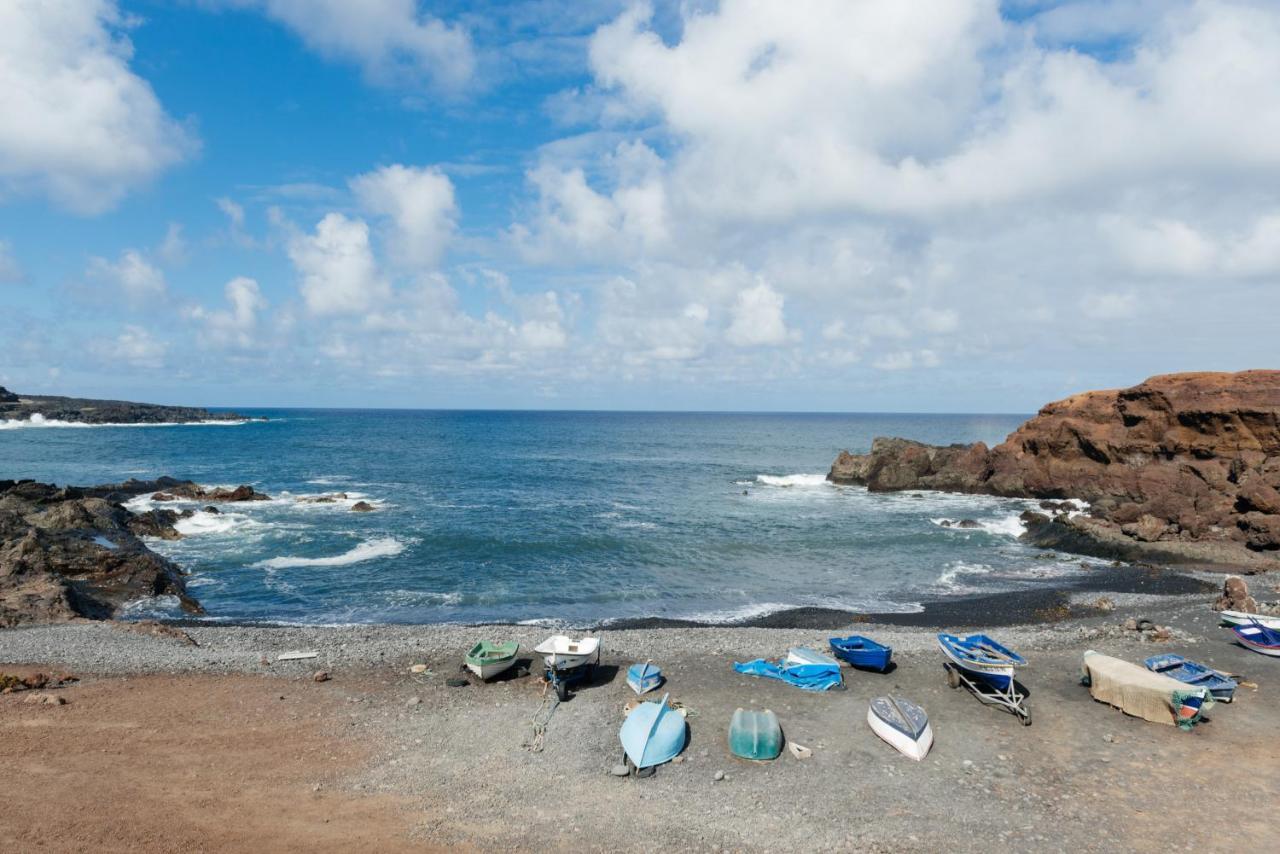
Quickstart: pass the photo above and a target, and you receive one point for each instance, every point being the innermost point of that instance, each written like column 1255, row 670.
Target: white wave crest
column 368, row 550
column 949, row 580
column 38, row 420
column 792, row 479
column 211, row 523
column 1006, row 526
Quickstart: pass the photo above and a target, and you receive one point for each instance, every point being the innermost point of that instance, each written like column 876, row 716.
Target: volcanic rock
column 362, row 507
column 1235, row 597
column 85, row 411
column 1181, row 468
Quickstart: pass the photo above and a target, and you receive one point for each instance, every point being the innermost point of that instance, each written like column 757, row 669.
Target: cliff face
column 1181, row 466
column 22, row 407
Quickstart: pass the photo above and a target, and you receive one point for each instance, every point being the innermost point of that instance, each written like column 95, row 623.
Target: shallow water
column 513, row 516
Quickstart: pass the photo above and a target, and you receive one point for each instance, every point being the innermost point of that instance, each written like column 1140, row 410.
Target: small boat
column 1142, row 693
column 982, row 657
column 643, row 678
column 799, row 656
column 1259, row 638
column 561, row 652
column 863, row 653
column 755, row 735
column 1242, row 618
column 487, row 659
column 902, row 724
column 1221, row 686
column 653, row 733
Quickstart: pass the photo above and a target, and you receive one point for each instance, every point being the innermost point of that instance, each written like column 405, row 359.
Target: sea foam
column 368, row 550
column 791, row 479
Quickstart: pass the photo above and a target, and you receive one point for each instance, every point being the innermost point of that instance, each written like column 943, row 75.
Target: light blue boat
column 1221, row 686
column 643, row 678
column 653, row 733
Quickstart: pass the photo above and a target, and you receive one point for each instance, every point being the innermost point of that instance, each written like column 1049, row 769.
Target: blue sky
column 944, row 205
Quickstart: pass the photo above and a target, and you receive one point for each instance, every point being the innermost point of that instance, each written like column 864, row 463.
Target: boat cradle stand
column 1007, row 698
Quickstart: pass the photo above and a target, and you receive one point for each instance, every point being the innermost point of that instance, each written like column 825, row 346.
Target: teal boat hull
column 755, row 735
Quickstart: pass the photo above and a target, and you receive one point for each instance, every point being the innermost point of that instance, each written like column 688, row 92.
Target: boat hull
column 913, row 747
column 1259, row 638
column 1241, row 618
column 862, row 653
column 489, row 660
column 755, row 735
column 960, row 651
column 653, row 733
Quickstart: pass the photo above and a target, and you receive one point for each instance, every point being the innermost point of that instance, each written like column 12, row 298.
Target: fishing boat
column 561, row 652
column 863, row 653
column 902, row 724
column 1142, row 693
column 1221, row 686
column 487, row 659
column 1242, row 618
column 799, row 656
column 983, row 657
column 755, row 735
column 1259, row 638
column 653, row 733
column 643, row 678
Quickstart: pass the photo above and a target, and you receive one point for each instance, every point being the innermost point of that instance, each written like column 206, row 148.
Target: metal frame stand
column 1009, row 698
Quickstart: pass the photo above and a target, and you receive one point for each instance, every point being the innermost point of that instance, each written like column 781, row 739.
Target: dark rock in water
column 1182, row 468
column 1235, row 597
column 67, row 553
column 156, row 523
column 362, row 507
column 87, row 411
column 967, row 523
column 212, row 509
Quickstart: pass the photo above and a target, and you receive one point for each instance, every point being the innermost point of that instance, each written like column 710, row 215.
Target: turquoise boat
column 653, row 733
column 755, row 735
column 645, row 677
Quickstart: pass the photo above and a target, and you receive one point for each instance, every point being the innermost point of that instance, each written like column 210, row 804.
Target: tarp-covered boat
column 487, row 659
column 802, row 667
column 643, row 678
column 755, row 735
column 861, row 652
column 1139, row 692
column 653, row 733
column 1221, row 686
column 902, row 724
column 1259, row 638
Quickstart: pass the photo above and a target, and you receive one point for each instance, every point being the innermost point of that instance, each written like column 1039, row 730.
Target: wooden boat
column 902, row 724
column 487, row 659
column 860, row 652
column 561, row 652
column 1243, row 618
column 1259, row 638
column 982, row 657
column 755, row 735
column 653, row 733
column 643, row 678
column 1221, row 686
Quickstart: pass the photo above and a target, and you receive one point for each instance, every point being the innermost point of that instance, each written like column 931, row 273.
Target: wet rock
column 362, row 507
column 967, row 523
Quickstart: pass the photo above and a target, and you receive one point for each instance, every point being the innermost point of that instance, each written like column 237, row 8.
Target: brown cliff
column 1180, row 468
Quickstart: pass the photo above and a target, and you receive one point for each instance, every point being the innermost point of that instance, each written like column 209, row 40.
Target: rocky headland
column 22, row 407
column 69, row 552
column 1181, row 468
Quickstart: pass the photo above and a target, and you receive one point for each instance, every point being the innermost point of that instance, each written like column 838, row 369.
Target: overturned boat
column 653, row 733
column 645, row 677
column 755, row 735
column 902, row 724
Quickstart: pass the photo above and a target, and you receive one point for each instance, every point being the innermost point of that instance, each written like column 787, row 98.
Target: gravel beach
column 453, row 767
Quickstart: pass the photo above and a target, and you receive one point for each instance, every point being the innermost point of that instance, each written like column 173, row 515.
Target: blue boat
column 653, row 733
column 643, row 678
column 982, row 658
column 1220, row 686
column 860, row 652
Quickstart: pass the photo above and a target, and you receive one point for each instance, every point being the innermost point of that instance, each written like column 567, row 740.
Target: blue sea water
column 550, row 516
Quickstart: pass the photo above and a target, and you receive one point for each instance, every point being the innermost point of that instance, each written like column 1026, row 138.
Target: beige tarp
column 1134, row 689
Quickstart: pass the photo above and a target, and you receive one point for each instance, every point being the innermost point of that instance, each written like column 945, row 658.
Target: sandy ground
column 380, row 759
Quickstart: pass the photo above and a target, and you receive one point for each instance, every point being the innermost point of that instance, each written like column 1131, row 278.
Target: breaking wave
column 791, row 479
column 368, row 550
column 38, row 420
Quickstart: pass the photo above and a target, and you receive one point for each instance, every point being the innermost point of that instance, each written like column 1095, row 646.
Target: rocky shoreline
column 1180, row 469
column 75, row 410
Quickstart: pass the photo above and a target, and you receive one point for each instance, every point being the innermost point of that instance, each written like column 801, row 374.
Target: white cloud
column 173, row 249
column 392, row 40
column 1109, row 306
column 757, row 318
column 76, row 123
column 236, row 326
column 339, row 274
column 139, row 279
column 419, row 204
column 10, row 270
column 135, row 346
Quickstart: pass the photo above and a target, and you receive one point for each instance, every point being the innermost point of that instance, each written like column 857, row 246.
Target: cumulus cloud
column 337, row 268
column 135, row 346
column 77, row 124
column 418, row 205
column 237, row 325
column 137, row 278
column 757, row 318
column 391, row 40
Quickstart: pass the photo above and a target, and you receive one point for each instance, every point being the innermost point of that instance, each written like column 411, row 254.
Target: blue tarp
column 810, row 677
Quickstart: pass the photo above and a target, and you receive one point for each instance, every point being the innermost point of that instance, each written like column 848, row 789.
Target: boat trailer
column 1010, row 698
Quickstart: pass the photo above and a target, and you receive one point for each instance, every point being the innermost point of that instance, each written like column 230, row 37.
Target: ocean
column 575, row 517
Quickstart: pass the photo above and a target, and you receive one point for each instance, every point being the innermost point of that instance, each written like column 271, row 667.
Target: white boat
column 902, row 724
column 804, row 655
column 562, row 652
column 1241, row 618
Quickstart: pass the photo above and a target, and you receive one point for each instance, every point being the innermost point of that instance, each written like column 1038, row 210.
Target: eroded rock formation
column 1180, row 468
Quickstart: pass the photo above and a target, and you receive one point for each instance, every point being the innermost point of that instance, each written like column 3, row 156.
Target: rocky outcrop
column 67, row 553
column 1235, row 597
column 1182, row 468
column 16, row 407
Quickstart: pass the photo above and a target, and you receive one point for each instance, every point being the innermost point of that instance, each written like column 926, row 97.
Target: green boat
column 755, row 735
column 487, row 659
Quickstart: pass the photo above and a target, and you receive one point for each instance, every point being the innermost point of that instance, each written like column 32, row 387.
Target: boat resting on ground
column 1139, row 692
column 755, row 735
column 1221, row 687
column 1259, row 638
column 643, row 678
column 861, row 652
column 561, row 652
column 653, row 733
column 982, row 657
column 902, row 724
column 487, row 659
column 1243, row 618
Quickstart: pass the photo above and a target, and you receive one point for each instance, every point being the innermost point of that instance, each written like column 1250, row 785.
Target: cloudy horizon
column 934, row 206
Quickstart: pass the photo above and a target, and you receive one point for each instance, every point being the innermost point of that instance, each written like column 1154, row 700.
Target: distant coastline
column 32, row 408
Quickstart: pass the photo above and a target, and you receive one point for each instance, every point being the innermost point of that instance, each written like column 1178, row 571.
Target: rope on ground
column 540, row 722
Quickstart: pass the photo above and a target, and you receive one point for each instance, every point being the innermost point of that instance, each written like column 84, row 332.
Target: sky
column 817, row 205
